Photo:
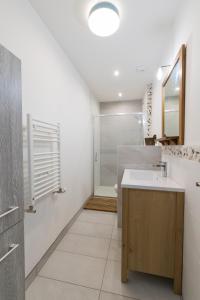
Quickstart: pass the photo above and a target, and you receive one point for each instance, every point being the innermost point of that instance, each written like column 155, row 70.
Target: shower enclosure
column 111, row 131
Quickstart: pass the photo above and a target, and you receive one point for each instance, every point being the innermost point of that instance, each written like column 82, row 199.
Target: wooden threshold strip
column 102, row 204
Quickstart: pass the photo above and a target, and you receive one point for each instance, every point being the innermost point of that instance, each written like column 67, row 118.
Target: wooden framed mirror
column 173, row 108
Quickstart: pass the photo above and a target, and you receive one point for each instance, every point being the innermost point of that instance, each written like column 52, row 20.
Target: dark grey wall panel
column 11, row 179
column 11, row 171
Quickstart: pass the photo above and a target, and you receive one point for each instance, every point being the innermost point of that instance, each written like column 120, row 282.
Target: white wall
column 52, row 91
column 116, row 107
column 185, row 172
column 186, row 30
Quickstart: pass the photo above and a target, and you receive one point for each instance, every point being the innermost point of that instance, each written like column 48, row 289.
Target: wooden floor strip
column 102, row 204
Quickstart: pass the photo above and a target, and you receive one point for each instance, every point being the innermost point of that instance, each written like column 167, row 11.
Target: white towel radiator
column 44, row 164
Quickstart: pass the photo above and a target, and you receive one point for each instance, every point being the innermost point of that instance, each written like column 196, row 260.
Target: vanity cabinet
column 152, row 234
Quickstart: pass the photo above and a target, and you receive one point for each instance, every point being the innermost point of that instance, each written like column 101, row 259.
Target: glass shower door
column 110, row 132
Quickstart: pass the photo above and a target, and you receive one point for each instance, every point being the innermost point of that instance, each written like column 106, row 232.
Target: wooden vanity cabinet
column 152, row 234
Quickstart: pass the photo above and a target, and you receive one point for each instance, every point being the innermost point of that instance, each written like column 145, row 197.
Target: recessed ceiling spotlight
column 104, row 19
column 116, row 73
column 120, row 95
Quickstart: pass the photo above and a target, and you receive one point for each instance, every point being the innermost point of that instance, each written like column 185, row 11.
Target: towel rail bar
column 55, row 160
column 46, row 193
column 45, row 175
column 46, row 123
column 46, row 153
column 46, row 157
column 46, row 180
column 46, row 189
column 47, row 172
column 46, row 186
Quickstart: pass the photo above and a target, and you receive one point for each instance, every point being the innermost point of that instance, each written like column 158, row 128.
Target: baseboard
column 33, row 274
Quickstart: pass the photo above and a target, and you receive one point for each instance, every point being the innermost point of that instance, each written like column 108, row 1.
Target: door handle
column 9, row 211
column 12, row 248
column 198, row 184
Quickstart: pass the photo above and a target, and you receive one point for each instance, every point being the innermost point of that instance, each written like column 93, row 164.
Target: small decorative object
column 166, row 141
column 151, row 141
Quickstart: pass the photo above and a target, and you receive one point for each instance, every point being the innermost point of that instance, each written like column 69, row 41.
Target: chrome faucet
column 163, row 166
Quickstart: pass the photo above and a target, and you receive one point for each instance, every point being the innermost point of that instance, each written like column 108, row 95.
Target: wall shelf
column 166, row 141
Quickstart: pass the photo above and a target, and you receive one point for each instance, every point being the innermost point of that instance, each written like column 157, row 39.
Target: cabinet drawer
column 11, row 215
column 12, row 263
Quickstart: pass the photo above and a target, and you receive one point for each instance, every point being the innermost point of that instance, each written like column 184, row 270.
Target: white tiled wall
column 186, row 173
column 186, row 31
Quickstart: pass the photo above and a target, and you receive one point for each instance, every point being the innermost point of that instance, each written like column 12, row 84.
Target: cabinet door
column 12, row 264
column 152, row 232
column 11, row 171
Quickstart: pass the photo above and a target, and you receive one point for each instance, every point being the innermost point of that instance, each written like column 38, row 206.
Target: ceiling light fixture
column 104, row 19
column 116, row 73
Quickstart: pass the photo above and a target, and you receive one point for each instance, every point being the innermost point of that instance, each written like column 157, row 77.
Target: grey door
column 11, row 172
column 11, row 179
column 11, row 263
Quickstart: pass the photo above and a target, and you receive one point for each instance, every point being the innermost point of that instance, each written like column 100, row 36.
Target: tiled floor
column 86, row 266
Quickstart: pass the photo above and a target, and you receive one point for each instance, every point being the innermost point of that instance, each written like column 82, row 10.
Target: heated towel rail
column 44, row 164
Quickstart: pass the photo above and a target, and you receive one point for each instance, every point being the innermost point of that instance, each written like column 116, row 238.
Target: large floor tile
column 109, row 296
column 115, row 250
column 47, row 289
column 117, row 234
column 139, row 286
column 97, row 217
column 95, row 230
column 73, row 268
column 82, row 244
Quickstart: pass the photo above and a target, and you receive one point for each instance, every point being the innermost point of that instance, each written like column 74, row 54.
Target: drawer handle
column 9, row 211
column 12, row 248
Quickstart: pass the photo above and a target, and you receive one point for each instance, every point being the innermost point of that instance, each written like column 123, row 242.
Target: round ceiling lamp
column 104, row 19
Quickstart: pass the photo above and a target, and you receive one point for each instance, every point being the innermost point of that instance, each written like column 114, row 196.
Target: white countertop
column 149, row 180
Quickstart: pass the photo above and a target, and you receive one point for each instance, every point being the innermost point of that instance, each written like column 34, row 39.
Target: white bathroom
column 99, row 150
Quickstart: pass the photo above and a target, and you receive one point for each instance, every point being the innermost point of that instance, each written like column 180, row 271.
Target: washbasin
column 149, row 180
column 146, row 175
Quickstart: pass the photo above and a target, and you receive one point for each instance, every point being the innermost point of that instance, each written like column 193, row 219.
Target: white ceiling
column 140, row 41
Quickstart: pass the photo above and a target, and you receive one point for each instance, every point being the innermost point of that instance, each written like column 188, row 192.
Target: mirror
column 174, row 101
